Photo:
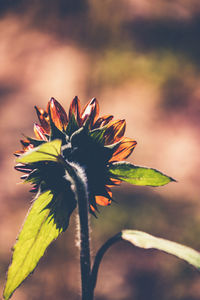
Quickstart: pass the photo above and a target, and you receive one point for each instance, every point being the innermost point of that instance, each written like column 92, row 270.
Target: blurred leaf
column 147, row 241
column 48, row 151
column 138, row 175
column 47, row 218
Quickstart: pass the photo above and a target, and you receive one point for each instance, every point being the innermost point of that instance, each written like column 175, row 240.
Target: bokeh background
column 141, row 59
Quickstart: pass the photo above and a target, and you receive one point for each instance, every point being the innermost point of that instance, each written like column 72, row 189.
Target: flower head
column 91, row 141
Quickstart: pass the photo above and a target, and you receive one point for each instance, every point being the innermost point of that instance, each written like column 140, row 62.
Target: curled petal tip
column 36, row 108
column 53, row 101
column 93, row 101
column 90, row 111
column 122, row 124
column 38, row 111
column 75, row 103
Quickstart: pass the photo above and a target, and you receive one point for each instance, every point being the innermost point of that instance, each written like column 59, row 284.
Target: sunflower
column 91, row 141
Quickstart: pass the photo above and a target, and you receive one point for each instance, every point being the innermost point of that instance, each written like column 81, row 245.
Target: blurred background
column 140, row 59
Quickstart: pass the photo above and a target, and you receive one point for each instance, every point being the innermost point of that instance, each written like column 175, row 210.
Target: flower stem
column 84, row 244
column 79, row 181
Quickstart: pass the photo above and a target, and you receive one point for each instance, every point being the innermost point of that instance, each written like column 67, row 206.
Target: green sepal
column 138, row 175
column 86, row 124
column 34, row 177
column 80, row 137
column 91, row 148
column 47, row 218
column 144, row 240
column 49, row 151
column 112, row 147
column 98, row 134
column 72, row 126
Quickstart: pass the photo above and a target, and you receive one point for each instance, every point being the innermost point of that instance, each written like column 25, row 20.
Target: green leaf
column 144, row 240
column 48, row 151
column 138, row 175
column 47, row 218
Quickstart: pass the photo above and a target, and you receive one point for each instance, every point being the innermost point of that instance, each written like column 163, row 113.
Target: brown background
column 141, row 59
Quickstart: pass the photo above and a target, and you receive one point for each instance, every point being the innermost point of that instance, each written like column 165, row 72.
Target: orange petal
column 18, row 152
column 58, row 114
column 43, row 118
column 125, row 149
column 104, row 201
column 39, row 132
column 90, row 111
column 75, row 108
column 92, row 208
column 114, row 182
column 26, row 145
column 103, row 121
column 115, row 131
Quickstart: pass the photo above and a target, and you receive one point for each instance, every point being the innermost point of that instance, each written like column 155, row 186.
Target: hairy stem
column 84, row 244
column 80, row 185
